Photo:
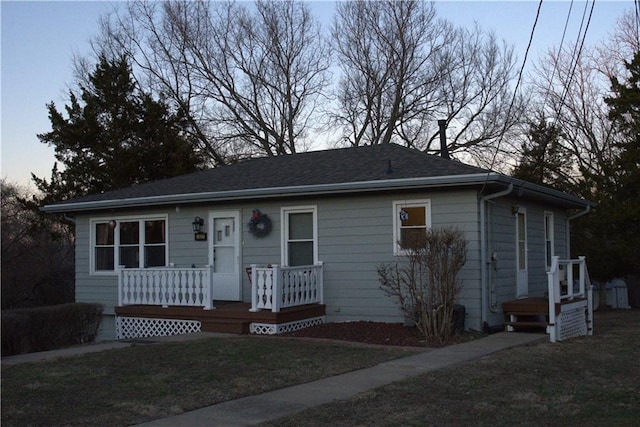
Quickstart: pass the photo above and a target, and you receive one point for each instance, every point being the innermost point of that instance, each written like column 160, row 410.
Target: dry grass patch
column 588, row 381
column 146, row 382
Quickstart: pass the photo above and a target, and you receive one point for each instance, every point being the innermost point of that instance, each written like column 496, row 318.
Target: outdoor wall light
column 515, row 209
column 197, row 224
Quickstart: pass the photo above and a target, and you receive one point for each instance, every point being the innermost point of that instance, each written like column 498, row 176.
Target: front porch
column 567, row 309
column 170, row 301
column 137, row 321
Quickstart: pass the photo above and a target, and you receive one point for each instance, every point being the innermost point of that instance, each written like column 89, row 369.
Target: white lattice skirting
column 283, row 328
column 141, row 327
column 572, row 322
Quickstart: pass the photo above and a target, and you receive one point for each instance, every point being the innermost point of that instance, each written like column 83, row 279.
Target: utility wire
column 513, row 99
column 567, row 86
column 555, row 62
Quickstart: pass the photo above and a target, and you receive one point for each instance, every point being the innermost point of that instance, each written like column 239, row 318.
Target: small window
column 134, row 243
column 299, row 236
column 105, row 244
column 411, row 221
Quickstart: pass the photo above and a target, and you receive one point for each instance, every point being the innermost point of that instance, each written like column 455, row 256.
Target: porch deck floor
column 231, row 317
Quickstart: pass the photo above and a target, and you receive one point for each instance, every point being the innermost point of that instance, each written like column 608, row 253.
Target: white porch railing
column 165, row 286
column 275, row 287
column 569, row 289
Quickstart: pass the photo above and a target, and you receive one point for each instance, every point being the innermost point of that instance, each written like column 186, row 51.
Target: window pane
column 301, row 226
column 154, row 256
column 104, row 258
column 154, row 232
column 414, row 216
column 104, row 234
column 300, row 253
column 412, row 237
column 129, row 233
column 129, row 256
column 522, row 263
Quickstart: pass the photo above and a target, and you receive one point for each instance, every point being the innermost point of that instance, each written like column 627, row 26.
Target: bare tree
column 385, row 51
column 571, row 92
column 250, row 79
column 477, row 93
column 37, row 254
column 403, row 69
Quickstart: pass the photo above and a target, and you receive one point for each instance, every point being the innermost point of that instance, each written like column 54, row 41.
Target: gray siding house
column 307, row 232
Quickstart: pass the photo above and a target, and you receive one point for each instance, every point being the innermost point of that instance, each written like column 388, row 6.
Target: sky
column 40, row 39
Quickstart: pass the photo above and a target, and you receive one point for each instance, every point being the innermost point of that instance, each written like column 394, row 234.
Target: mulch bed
column 373, row 333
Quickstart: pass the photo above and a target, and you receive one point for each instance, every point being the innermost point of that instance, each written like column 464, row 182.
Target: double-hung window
column 411, row 220
column 299, row 236
column 131, row 242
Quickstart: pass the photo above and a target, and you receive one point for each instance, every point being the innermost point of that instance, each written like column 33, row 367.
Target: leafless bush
column 425, row 285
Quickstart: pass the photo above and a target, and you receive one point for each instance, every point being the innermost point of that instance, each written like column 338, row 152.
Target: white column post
column 276, row 294
column 120, row 270
column 208, row 305
column 321, row 285
column 254, row 289
column 554, row 295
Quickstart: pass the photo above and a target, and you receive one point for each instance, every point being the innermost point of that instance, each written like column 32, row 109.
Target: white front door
column 224, row 255
column 522, row 273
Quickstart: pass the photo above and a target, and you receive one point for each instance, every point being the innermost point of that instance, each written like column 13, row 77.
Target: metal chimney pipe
column 444, row 151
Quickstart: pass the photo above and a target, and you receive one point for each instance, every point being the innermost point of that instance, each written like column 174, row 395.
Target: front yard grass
column 591, row 381
column 151, row 381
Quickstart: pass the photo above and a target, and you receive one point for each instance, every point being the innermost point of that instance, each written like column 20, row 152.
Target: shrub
column 47, row 328
column 426, row 284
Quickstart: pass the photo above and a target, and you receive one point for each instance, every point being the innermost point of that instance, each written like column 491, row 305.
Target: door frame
column 522, row 275
column 236, row 215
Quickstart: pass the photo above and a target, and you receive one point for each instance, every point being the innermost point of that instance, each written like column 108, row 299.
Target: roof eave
column 320, row 189
column 274, row 192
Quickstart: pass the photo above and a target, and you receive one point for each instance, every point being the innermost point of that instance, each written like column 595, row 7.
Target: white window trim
column 551, row 238
column 116, row 239
column 284, row 233
column 397, row 204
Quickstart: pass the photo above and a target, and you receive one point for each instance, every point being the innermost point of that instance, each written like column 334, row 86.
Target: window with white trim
column 411, row 220
column 548, row 238
column 299, row 236
column 132, row 242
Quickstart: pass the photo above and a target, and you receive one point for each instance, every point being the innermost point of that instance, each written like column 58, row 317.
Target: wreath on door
column 260, row 224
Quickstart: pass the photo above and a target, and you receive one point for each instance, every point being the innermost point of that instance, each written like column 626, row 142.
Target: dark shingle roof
column 338, row 169
column 358, row 164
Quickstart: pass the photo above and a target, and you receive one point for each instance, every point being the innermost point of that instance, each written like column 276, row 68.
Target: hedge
column 28, row 330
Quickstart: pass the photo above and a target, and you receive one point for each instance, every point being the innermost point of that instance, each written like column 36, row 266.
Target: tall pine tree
column 609, row 235
column 114, row 135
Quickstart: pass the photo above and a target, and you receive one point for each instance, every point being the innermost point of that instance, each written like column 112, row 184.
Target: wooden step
column 528, row 324
column 526, row 313
column 226, row 326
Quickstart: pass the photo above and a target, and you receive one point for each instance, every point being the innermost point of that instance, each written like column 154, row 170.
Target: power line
column 515, row 94
column 555, row 62
column 575, row 65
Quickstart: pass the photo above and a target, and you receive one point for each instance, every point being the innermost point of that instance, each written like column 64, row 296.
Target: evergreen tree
column 544, row 160
column 114, row 135
column 609, row 235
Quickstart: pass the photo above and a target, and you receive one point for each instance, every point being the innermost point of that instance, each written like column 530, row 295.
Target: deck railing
column 275, row 287
column 570, row 298
column 165, row 286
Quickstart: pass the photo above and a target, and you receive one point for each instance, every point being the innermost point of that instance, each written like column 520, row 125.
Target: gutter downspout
column 483, row 250
column 568, row 227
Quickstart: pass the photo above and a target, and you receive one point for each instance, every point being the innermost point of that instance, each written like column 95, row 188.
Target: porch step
column 528, row 324
column 226, row 326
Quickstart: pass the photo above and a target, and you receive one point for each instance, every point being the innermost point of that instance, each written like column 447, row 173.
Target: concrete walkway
column 279, row 403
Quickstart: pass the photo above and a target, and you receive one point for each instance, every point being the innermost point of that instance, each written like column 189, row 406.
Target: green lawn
column 146, row 382
column 592, row 381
